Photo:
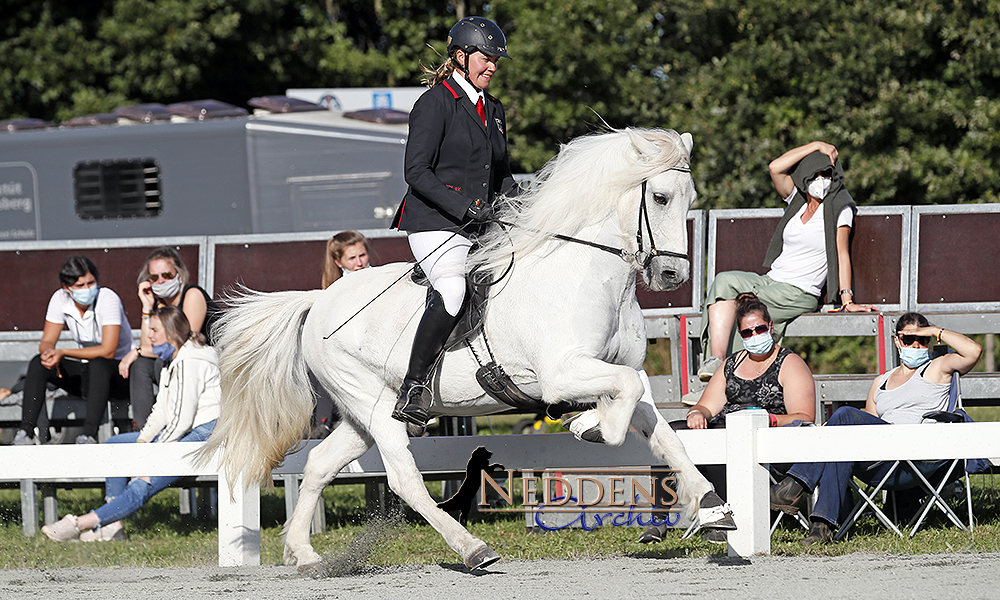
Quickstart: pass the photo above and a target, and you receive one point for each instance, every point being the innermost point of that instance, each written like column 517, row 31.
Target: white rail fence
column 745, row 447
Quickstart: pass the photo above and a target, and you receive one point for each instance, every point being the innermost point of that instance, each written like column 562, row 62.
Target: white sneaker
column 692, row 398
column 709, row 367
column 85, row 439
column 21, row 439
column 112, row 532
column 63, row 530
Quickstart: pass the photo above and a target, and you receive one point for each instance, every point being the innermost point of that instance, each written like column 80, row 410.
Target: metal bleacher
column 937, row 260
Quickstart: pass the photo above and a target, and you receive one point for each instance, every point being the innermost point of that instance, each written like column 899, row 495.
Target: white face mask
column 167, row 289
column 818, row 188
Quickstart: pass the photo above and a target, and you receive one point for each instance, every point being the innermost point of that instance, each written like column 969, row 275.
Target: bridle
column 641, row 256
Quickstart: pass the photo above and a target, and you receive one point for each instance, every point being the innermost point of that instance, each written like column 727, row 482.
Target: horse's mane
column 580, row 186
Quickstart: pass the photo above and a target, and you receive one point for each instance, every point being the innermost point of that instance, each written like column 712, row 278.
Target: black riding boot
column 432, row 333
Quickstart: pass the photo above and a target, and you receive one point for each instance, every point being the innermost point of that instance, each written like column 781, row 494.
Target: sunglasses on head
column 153, row 277
column 906, row 340
column 751, row 331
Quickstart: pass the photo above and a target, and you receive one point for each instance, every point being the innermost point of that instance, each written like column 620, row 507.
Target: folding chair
column 923, row 473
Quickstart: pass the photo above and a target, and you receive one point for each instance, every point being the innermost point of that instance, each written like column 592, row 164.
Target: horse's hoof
column 310, row 569
column 585, row 426
column 482, row 558
column 713, row 513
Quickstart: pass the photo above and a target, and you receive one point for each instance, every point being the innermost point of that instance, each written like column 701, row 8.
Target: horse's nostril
column 670, row 274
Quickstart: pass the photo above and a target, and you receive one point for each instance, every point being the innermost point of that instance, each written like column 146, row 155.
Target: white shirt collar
column 470, row 90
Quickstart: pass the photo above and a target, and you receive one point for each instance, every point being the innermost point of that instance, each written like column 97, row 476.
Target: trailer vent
column 117, row 188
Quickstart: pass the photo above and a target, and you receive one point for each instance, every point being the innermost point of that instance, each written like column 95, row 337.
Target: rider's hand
column 480, row 211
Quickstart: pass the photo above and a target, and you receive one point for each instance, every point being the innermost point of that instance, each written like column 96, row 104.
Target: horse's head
column 662, row 211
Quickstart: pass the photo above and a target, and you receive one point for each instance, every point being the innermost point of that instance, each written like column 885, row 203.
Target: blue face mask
column 914, row 357
column 759, row 344
column 164, row 351
column 86, row 296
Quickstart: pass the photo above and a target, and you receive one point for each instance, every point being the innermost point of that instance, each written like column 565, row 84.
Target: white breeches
column 442, row 254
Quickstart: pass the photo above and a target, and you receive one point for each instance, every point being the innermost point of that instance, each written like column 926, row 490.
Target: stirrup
column 410, row 409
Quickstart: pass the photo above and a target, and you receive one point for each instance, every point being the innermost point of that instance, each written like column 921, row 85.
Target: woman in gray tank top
column 902, row 396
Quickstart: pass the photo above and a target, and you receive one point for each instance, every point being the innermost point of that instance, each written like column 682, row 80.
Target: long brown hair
column 176, row 326
column 335, row 250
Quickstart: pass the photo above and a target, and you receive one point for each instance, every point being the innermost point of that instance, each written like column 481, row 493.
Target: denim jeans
column 833, row 500
column 124, row 497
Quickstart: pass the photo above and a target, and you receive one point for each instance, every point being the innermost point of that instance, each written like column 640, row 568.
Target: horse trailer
column 157, row 174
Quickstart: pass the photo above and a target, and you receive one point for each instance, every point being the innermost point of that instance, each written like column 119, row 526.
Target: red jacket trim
column 450, row 89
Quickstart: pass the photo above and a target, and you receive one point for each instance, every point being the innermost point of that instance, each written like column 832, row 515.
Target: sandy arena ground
column 858, row 576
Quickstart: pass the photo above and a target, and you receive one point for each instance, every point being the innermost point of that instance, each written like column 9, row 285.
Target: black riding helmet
column 476, row 33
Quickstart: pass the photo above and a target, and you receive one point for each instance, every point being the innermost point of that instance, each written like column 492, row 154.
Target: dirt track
column 960, row 576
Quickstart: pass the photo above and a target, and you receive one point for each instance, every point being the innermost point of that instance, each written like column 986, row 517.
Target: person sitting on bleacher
column 96, row 319
column 187, row 406
column 163, row 281
column 763, row 375
column 809, row 248
column 902, row 396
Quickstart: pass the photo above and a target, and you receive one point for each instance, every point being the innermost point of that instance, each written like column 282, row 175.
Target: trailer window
column 116, row 188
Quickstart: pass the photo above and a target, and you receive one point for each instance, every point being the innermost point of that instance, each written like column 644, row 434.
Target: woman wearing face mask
column 762, row 375
column 163, row 281
column 96, row 320
column 187, row 406
column 809, row 248
column 900, row 397
column 455, row 165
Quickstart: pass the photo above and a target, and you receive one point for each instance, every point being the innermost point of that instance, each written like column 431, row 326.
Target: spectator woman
column 762, row 375
column 455, row 164
column 187, row 406
column 810, row 247
column 345, row 252
column 163, row 281
column 902, row 396
column 96, row 320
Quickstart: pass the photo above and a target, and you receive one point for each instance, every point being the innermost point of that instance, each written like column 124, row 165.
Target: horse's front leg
column 694, row 491
column 617, row 388
column 343, row 445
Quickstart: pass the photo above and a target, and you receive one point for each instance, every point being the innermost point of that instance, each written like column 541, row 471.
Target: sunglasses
column 153, row 277
column 906, row 340
column 749, row 332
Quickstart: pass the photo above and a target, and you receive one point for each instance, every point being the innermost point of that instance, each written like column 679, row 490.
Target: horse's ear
column 644, row 147
column 688, row 141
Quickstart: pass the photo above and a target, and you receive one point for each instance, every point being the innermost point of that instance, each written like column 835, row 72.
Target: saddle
column 491, row 376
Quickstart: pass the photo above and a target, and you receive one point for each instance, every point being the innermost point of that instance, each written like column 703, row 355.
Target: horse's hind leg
column 342, row 446
column 404, row 478
column 694, row 491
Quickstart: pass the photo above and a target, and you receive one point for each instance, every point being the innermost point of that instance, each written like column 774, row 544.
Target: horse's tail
column 267, row 398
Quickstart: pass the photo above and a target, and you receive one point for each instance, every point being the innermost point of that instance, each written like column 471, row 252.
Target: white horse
column 564, row 324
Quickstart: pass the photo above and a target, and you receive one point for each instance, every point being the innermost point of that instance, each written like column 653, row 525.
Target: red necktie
column 481, row 110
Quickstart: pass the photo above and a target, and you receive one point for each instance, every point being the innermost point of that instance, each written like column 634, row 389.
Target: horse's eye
column 659, row 198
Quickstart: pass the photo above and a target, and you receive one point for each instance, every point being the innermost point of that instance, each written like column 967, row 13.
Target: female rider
column 455, row 164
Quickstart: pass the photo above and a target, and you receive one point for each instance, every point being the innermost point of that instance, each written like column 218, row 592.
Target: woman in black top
column 455, row 165
column 763, row 375
column 163, row 281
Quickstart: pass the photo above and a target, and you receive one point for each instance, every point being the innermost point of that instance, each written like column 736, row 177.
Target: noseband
column 641, row 256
